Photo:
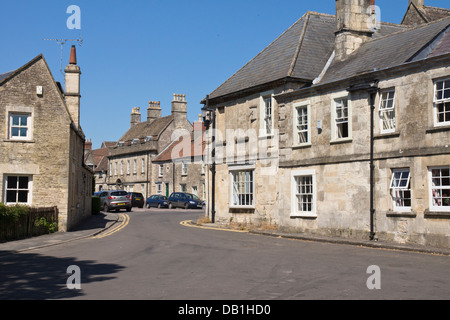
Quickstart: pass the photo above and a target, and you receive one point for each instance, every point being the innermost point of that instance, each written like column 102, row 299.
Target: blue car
column 157, row 201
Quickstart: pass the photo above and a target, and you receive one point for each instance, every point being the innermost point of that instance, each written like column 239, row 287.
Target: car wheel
column 186, row 206
column 128, row 209
column 148, row 205
column 170, row 206
column 105, row 208
column 159, row 205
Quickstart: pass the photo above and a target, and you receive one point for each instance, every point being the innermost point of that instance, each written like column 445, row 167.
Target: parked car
column 97, row 194
column 157, row 201
column 185, row 200
column 137, row 199
column 115, row 200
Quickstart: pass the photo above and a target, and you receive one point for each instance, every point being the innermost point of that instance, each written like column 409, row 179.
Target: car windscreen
column 119, row 193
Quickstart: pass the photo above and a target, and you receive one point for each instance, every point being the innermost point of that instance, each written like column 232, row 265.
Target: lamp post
column 209, row 118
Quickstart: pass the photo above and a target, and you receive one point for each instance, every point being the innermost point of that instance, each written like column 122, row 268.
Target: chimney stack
column 135, row 117
column 354, row 20
column 88, row 144
column 72, row 92
column 418, row 3
column 179, row 111
column 153, row 111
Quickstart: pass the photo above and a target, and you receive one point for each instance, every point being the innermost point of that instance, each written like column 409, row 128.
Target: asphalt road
column 152, row 256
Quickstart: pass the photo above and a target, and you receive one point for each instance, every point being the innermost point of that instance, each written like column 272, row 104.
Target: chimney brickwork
column 135, row 117
column 154, row 110
column 179, row 110
column 72, row 91
column 354, row 25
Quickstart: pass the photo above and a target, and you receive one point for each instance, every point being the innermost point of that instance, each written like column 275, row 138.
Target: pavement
column 91, row 227
column 99, row 223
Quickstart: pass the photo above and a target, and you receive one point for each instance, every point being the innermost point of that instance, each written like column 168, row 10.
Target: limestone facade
column 41, row 156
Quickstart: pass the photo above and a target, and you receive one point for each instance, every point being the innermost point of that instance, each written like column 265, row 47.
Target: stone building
column 41, row 148
column 180, row 165
column 343, row 124
column 97, row 160
column 131, row 166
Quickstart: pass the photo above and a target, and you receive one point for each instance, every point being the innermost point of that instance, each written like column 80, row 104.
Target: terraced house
column 354, row 116
column 131, row 166
column 41, row 142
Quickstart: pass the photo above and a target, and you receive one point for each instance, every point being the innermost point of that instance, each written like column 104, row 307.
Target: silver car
column 115, row 200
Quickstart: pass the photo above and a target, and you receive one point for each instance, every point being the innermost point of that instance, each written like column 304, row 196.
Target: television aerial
column 62, row 42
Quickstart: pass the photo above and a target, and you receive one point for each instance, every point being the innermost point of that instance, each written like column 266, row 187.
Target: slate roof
column 418, row 15
column 389, row 51
column 147, row 129
column 5, row 75
column 301, row 52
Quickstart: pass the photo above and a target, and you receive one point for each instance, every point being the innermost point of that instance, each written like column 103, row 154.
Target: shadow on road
column 30, row 276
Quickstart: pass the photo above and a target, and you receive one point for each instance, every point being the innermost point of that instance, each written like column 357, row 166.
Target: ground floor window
column 303, row 193
column 18, row 190
column 159, row 189
column 440, row 188
column 401, row 189
column 242, row 192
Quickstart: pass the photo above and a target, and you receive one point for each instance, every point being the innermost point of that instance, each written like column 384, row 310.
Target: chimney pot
column 73, row 55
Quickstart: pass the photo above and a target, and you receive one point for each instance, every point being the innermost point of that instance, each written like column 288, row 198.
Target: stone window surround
column 433, row 208
column 232, row 169
column 334, row 98
column 262, row 113
column 29, row 189
column 296, row 106
column 381, row 110
column 294, row 212
column 436, row 101
column 400, row 189
column 19, row 110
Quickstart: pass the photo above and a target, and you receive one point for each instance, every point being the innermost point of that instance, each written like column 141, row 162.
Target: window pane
column 11, row 183
column 23, row 182
column 15, row 120
column 22, row 197
column 15, row 132
column 11, row 196
column 23, row 132
column 23, row 121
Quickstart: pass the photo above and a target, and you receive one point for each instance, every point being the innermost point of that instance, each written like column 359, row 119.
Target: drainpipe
column 372, row 91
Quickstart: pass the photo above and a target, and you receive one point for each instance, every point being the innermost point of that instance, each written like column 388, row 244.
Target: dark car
column 185, row 200
column 137, row 199
column 157, row 201
column 117, row 199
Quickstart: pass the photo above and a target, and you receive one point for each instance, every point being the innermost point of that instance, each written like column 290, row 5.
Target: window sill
column 297, row 215
column 343, row 140
column 438, row 128
column 387, row 135
column 19, row 141
column 437, row 214
column 302, row 146
column 401, row 214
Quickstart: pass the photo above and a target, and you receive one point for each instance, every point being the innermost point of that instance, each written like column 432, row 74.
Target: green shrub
column 13, row 213
column 96, row 205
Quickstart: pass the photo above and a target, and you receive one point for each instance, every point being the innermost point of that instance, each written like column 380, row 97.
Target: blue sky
column 141, row 50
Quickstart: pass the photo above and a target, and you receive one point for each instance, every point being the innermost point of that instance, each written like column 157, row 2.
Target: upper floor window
column 342, row 119
column 267, row 114
column 184, row 168
column 19, row 126
column 442, row 102
column 387, row 111
column 160, row 170
column 302, row 128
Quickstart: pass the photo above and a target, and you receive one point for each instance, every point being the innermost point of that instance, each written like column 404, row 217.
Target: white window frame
column 160, row 170
column 295, row 212
column 251, row 184
column 400, row 185
column 433, row 188
column 195, row 190
column 335, row 121
column 142, row 165
column 264, row 130
column 19, row 126
column 183, row 187
column 128, row 167
column 442, row 100
column 134, row 166
column 296, row 125
column 159, row 189
column 7, row 188
column 19, row 111
column 385, row 110
column 184, row 168
column 121, row 167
